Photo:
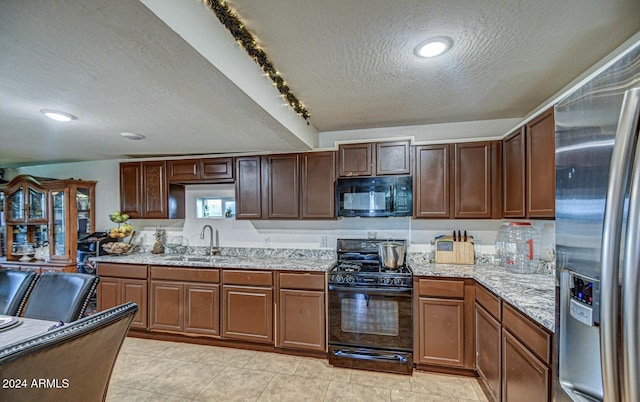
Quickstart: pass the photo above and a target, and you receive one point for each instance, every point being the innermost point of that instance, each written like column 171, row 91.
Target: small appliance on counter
column 91, row 246
column 455, row 249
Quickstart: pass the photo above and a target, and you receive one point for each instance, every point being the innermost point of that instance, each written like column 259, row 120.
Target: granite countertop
column 276, row 263
column 533, row 294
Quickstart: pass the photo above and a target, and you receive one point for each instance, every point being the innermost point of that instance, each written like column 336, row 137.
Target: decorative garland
column 231, row 21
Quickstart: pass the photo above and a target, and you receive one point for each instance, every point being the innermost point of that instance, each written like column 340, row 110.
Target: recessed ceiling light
column 132, row 136
column 58, row 115
column 433, row 47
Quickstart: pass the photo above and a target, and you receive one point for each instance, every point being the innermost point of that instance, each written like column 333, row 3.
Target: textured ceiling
column 118, row 67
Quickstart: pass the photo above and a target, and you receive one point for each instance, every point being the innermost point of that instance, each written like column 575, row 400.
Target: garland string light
column 244, row 38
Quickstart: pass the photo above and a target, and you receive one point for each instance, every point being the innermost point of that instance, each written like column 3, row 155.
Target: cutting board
column 448, row 251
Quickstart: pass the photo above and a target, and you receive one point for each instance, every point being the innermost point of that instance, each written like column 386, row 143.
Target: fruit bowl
column 124, row 229
column 121, row 232
column 118, row 217
column 117, row 247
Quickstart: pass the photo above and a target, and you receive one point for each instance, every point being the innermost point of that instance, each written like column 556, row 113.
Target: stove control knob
column 350, row 279
column 339, row 278
column 398, row 281
column 387, row 281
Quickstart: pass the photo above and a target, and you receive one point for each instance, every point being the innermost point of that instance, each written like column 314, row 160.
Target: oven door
column 379, row 318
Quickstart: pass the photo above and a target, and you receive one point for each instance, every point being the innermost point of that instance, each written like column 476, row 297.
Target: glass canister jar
column 521, row 248
column 499, row 245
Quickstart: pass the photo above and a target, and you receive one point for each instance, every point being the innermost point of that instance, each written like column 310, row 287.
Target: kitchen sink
column 205, row 258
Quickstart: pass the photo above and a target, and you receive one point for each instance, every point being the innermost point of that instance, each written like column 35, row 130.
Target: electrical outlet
column 323, row 241
column 267, row 241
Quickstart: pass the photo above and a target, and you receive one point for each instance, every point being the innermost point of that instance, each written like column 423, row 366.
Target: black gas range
column 359, row 265
column 370, row 310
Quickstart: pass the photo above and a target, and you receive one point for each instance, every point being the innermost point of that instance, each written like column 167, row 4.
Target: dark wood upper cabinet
column 513, row 177
column 131, row 189
column 154, row 185
column 541, row 169
column 287, row 186
column 476, row 179
column 200, row 171
column 431, row 182
column 393, row 158
column 458, row 180
column 184, row 170
column 146, row 193
column 281, row 186
column 248, row 188
column 216, row 170
column 374, row 159
column 355, row 159
column 317, row 185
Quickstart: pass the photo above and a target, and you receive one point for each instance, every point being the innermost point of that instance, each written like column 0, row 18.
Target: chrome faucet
column 212, row 250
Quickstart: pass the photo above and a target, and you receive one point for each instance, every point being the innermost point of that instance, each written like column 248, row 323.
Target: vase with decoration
column 158, row 246
column 124, row 229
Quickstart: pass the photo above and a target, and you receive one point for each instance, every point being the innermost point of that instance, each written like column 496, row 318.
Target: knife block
column 448, row 251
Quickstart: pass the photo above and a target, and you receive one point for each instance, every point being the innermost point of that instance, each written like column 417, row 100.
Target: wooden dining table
column 16, row 329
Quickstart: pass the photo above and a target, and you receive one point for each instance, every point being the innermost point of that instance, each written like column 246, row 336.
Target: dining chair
column 72, row 362
column 61, row 296
column 15, row 287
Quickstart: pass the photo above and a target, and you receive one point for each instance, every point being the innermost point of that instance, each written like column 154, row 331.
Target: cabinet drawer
column 531, row 335
column 441, row 288
column 489, row 301
column 255, row 278
column 185, row 274
column 122, row 270
column 303, row 281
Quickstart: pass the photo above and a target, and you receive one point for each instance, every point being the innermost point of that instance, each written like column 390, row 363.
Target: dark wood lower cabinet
column 444, row 324
column 488, row 342
column 185, row 300
column 202, row 309
column 167, row 306
column 115, row 290
column 441, row 339
column 248, row 313
column 513, row 353
column 301, row 311
column 525, row 378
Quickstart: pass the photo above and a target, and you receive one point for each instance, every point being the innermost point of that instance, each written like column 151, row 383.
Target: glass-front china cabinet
column 43, row 219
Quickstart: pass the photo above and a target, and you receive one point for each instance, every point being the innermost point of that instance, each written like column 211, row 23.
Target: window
column 215, row 207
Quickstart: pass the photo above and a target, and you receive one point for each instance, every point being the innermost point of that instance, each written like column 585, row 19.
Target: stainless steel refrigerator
column 598, row 236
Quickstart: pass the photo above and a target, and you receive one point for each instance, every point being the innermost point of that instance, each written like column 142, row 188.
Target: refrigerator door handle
column 631, row 277
column 619, row 174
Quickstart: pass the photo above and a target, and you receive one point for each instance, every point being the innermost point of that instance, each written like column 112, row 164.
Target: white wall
column 429, row 133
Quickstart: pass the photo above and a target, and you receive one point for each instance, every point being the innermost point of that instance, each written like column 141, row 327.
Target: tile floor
column 149, row 370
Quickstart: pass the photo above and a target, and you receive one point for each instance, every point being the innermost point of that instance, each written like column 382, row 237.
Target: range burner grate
column 349, row 267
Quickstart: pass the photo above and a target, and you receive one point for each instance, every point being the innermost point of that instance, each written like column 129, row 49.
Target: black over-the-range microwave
column 374, row 196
